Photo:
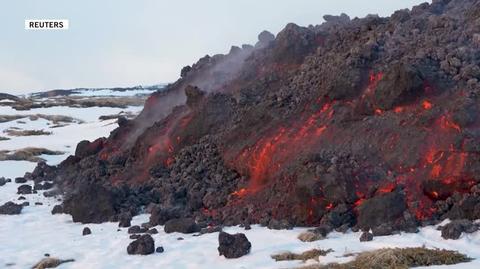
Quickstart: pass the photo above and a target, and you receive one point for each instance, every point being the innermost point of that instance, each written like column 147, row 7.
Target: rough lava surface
column 366, row 123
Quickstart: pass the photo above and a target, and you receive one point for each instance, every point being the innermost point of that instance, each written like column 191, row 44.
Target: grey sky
column 133, row 42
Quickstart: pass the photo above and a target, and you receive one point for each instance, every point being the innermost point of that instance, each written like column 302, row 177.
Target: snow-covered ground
column 25, row 238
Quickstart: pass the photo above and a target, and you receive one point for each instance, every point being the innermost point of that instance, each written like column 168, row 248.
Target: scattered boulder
column 181, row 225
column 10, row 208
column 455, row 228
column 125, row 220
column 142, row 246
column 57, row 209
column 24, row 189
column 135, row 236
column 92, row 203
column 20, row 180
column 152, row 231
column 136, row 230
column 233, row 246
column 3, row 181
column 159, row 250
column 86, row 231
column 366, row 236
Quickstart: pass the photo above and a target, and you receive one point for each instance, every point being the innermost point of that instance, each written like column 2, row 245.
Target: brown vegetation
column 398, row 258
column 304, row 256
column 27, row 154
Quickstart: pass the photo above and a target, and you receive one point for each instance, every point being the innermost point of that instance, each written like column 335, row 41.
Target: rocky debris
column 233, row 246
column 50, row 262
column 264, row 39
column 369, row 124
column 10, row 208
column 211, row 229
column 135, row 236
column 24, row 189
column 142, row 246
column 455, row 228
column 152, row 231
column 373, row 215
column 279, row 225
column 86, row 148
column 38, row 203
column 125, row 220
column 159, row 250
column 181, row 225
column 310, row 236
column 20, row 180
column 21, row 198
column 86, row 231
column 43, row 186
column 92, row 204
column 366, row 236
column 3, row 181
column 57, row 209
column 137, row 230
column 25, row 204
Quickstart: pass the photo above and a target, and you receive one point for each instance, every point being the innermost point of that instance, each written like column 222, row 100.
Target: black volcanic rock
column 181, row 225
column 24, row 189
column 372, row 213
column 86, row 231
column 142, row 246
column 369, row 123
column 366, row 236
column 57, row 209
column 93, row 204
column 86, row 148
column 20, row 180
column 455, row 228
column 10, row 208
column 233, row 246
column 3, row 181
column 125, row 220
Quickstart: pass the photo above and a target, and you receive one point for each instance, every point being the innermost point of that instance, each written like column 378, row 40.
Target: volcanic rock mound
column 366, row 123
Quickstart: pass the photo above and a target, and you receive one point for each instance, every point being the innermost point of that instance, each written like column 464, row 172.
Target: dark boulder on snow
column 24, row 189
column 57, row 209
column 159, row 250
column 233, row 246
column 366, row 236
column 181, row 225
column 137, row 230
column 125, row 220
column 10, row 208
column 455, row 228
column 3, row 181
column 142, row 246
column 20, row 180
column 93, row 204
column 86, row 231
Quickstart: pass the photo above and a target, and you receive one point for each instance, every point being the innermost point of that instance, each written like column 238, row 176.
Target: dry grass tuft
column 27, row 154
column 398, row 258
column 304, row 256
column 14, row 132
column 310, row 236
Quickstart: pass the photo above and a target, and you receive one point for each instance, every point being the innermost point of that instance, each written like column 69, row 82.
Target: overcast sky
column 143, row 42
